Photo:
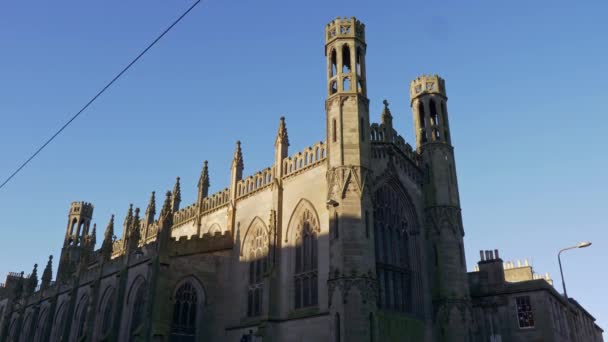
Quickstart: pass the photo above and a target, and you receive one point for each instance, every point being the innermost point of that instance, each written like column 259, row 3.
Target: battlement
column 427, row 84
column 81, row 208
column 379, row 133
column 206, row 243
column 255, row 182
column 216, row 200
column 344, row 28
column 305, row 159
column 185, row 214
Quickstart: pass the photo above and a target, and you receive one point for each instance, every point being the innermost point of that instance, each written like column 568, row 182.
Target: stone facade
column 357, row 238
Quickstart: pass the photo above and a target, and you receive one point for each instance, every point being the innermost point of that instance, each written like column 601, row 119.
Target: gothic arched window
column 333, row 61
column 392, row 218
column 42, row 326
column 345, row 58
column 138, row 304
column 305, row 278
column 258, row 263
column 185, row 308
column 107, row 313
column 59, row 324
column 26, row 329
column 81, row 318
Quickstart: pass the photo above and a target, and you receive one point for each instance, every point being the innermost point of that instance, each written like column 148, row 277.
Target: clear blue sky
column 526, row 82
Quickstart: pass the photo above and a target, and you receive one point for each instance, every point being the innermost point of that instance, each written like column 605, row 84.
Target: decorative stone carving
column 441, row 217
column 340, row 178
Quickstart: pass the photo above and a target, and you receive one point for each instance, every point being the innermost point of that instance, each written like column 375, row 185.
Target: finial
column 166, row 210
column 108, row 240
column 177, row 195
column 151, row 209
column 282, row 136
column 129, row 216
column 203, row 181
column 386, row 116
column 237, row 161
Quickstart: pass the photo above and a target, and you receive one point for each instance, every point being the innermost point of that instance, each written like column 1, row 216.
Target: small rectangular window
column 334, row 130
column 525, row 317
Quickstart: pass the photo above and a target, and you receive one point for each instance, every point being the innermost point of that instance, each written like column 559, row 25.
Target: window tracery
column 391, row 228
column 185, row 309
column 137, row 309
column 306, row 274
column 258, row 264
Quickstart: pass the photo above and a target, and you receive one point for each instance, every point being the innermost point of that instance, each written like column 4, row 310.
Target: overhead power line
column 99, row 93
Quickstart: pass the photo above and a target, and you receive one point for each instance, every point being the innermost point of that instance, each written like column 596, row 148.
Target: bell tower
column 351, row 282
column 79, row 222
column 445, row 232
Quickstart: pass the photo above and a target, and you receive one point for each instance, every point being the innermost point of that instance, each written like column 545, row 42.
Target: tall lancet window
column 185, row 309
column 305, row 278
column 393, row 217
column 258, row 264
column 81, row 318
column 138, row 303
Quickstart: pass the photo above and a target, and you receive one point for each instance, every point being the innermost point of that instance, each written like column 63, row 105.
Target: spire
column 32, row 282
column 165, row 222
column 236, row 171
column 134, row 233
column 237, row 161
column 151, row 209
column 166, row 210
column 203, row 182
column 282, row 137
column 93, row 236
column 108, row 240
column 129, row 218
column 47, row 274
column 177, row 196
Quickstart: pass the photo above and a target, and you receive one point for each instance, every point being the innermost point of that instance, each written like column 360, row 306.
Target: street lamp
column 559, row 260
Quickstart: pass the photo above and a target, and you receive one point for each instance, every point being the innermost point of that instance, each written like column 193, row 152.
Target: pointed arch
column 136, row 302
column 255, row 251
column 42, row 326
column 188, row 301
column 105, row 315
column 255, row 222
column 27, row 328
column 80, row 318
column 397, row 257
column 59, row 322
column 214, row 228
column 300, row 208
column 303, row 232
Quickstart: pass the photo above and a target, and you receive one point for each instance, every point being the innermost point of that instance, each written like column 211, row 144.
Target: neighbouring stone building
column 356, row 238
column 512, row 303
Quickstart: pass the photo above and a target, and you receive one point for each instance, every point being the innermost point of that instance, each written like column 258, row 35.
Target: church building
column 355, row 238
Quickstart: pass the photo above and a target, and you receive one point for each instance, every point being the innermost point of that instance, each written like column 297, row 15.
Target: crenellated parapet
column 254, row 183
column 217, row 200
column 185, row 214
column 344, row 28
column 427, row 84
column 206, row 243
column 306, row 159
column 379, row 133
